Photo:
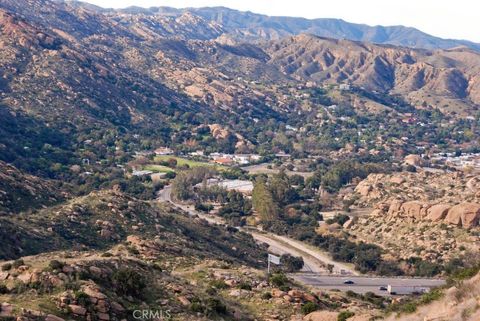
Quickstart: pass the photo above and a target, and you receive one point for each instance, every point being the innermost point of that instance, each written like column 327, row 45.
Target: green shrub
column 218, row 284
column 344, row 315
column 82, row 298
column 309, row 307
column 3, row 289
column 211, row 291
column 245, row 286
column 7, row 267
column 409, row 307
column 285, row 288
column 291, row 263
column 127, row 281
column 17, row 263
column 266, row 295
column 56, row 265
column 132, row 250
column 278, row 279
column 214, row 305
column 197, row 307
column 431, row 296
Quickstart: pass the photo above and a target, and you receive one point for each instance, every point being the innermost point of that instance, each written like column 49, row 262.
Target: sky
column 459, row 19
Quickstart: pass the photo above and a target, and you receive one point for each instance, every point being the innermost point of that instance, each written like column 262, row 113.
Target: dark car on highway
column 348, row 282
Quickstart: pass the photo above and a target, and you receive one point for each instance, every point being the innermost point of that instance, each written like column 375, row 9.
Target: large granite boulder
column 465, row 214
column 321, row 316
column 412, row 209
column 438, row 212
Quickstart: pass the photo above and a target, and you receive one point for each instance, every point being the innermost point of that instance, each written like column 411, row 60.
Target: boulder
column 297, row 294
column 397, row 180
column 277, row 293
column 465, row 214
column 348, row 224
column 6, row 309
column 117, row 307
column 412, row 209
column 102, row 306
column 94, row 293
column 394, row 209
column 25, row 277
column 183, row 300
column 239, row 293
column 231, row 282
column 77, row 309
column 414, row 160
column 453, row 217
column 309, row 297
column 321, row 316
column 52, row 317
column 363, row 189
column 437, row 212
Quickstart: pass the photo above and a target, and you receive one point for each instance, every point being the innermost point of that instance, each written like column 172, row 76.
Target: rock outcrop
column 464, row 214
column 413, row 160
column 321, row 316
column 437, row 212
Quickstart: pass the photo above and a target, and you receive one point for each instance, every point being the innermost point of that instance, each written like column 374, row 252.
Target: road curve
column 314, row 260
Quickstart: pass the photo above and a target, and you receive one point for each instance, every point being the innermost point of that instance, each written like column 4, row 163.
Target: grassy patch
column 184, row 161
column 158, row 168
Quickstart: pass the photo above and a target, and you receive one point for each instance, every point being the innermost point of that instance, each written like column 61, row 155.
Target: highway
column 362, row 284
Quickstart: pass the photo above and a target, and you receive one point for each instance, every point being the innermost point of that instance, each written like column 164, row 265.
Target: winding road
column 314, row 272
column 314, row 260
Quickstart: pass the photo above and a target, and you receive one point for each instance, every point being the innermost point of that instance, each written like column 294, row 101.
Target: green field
column 184, row 161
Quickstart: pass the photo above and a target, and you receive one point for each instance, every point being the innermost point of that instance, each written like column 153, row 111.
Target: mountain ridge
column 248, row 26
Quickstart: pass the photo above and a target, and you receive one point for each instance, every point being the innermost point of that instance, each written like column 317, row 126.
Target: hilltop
column 248, row 26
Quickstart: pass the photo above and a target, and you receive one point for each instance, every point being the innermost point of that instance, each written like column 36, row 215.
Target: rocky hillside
column 102, row 219
column 76, row 79
column 434, row 216
column 451, row 76
column 20, row 191
column 105, row 255
column 112, row 285
column 245, row 26
column 459, row 302
column 452, row 198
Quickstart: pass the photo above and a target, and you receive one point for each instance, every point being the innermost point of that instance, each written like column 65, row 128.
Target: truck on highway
column 405, row 290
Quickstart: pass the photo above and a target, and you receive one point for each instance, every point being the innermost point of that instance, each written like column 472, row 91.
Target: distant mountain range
column 70, row 71
column 248, row 26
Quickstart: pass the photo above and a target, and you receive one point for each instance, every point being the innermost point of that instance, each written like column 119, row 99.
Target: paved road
column 315, row 273
column 362, row 284
column 165, row 195
column 315, row 260
column 311, row 264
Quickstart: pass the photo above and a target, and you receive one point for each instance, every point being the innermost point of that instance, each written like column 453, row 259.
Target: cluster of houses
column 460, row 161
column 233, row 159
column 228, row 159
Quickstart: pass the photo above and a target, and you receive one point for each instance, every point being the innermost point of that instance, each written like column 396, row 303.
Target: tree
column 263, row 202
column 291, row 263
